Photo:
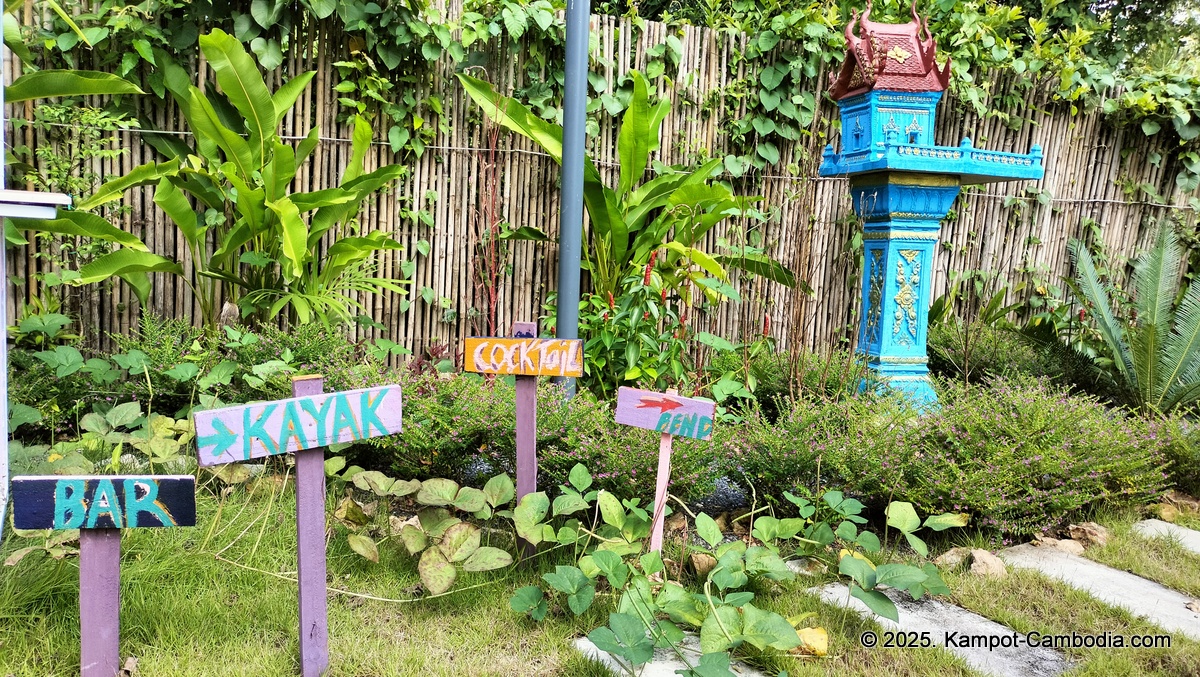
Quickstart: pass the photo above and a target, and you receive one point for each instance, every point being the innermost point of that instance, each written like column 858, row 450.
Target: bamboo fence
column 1000, row 227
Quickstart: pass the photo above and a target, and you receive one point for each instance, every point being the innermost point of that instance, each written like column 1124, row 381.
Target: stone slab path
column 940, row 620
column 1188, row 538
column 1158, row 604
column 664, row 663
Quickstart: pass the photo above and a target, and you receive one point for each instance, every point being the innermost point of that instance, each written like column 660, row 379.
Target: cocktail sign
column 100, row 506
column 671, row 415
column 525, row 357
column 304, row 424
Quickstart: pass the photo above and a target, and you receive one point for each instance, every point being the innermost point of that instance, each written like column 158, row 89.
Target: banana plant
column 670, row 213
column 232, row 187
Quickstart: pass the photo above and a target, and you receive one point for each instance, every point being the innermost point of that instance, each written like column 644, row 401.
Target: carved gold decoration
column 905, row 328
column 875, row 296
column 898, row 54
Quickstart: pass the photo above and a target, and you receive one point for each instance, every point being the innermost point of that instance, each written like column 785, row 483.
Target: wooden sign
column 525, row 356
column 100, row 506
column 243, row 432
column 666, row 413
column 104, row 501
column 671, row 415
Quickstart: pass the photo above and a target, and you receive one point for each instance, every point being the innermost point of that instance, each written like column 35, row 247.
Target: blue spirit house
column 902, row 185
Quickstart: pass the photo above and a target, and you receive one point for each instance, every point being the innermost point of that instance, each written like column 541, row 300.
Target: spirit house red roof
column 893, row 57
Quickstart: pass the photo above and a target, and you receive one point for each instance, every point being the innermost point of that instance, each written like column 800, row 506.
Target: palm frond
column 1155, row 283
column 1181, row 352
column 1098, row 295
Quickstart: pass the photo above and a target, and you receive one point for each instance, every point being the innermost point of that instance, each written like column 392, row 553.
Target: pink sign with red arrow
column 671, row 415
column 666, row 413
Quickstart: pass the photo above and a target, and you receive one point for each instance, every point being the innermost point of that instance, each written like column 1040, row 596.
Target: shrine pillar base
column 901, row 213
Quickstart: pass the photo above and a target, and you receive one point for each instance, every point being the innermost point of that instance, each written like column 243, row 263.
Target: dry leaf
column 813, row 642
column 130, row 667
column 1193, row 606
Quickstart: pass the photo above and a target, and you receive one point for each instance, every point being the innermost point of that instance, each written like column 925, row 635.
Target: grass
column 184, row 612
column 214, row 600
column 1026, row 602
column 1161, row 560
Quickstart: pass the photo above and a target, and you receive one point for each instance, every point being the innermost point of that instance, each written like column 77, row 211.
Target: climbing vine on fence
column 1063, row 50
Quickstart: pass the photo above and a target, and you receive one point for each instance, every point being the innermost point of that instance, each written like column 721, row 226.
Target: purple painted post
column 526, row 420
column 310, row 532
column 99, row 602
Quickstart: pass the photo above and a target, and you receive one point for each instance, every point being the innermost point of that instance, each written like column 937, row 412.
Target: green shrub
column 1181, row 442
column 980, row 351
column 1021, row 456
column 823, row 377
column 815, row 443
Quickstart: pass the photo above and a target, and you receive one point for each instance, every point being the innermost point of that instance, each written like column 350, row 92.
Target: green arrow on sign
column 221, row 440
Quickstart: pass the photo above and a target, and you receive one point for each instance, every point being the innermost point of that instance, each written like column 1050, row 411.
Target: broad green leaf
column 858, row 569
column 878, row 602
column 460, row 541
column 437, row 574
column 707, row 528
column 721, row 630
column 947, row 520
column 511, row 114
column 126, row 261
column 580, row 478
column 625, row 637
column 175, row 204
column 364, row 546
column 54, row 83
column 900, row 576
column 611, row 510
column 241, row 82
column 679, row 605
column 767, row 629
column 82, row 224
column 901, row 515
column 293, row 235
column 486, row 559
column 414, row 539
column 635, row 138
column 143, row 175
column 470, row 499
column 917, row 544
column 437, row 491
column 499, row 490
column 526, row 599
column 569, row 503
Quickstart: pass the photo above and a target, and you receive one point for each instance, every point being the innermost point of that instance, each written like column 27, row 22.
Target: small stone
column 740, row 528
column 984, row 563
column 1044, row 541
column 952, row 559
column 1182, row 501
column 703, row 563
column 722, row 522
column 1089, row 533
column 1167, row 512
column 676, row 522
column 806, row 566
column 1070, row 547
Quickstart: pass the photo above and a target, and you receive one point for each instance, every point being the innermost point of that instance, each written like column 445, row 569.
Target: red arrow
column 662, row 403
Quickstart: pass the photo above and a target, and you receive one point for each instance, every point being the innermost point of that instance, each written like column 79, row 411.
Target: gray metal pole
column 570, row 239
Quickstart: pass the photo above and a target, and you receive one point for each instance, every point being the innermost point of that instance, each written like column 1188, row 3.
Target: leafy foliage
column 1154, row 353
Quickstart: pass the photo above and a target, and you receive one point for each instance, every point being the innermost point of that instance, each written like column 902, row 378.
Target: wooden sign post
column 525, row 357
column 670, row 415
column 304, row 424
column 100, row 506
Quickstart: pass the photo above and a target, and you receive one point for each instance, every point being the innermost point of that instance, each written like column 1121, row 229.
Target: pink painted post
column 660, row 489
column 310, row 529
column 99, row 602
column 526, row 420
